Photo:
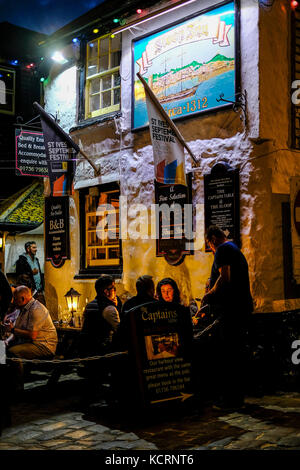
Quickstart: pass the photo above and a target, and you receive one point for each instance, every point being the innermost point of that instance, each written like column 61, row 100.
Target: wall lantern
column 72, row 299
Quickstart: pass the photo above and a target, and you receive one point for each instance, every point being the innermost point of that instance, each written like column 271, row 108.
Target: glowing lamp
column 42, row 79
column 59, row 58
column 116, row 20
column 96, row 30
column 139, row 11
column 72, row 299
column 75, row 40
column 294, row 4
column 1, row 241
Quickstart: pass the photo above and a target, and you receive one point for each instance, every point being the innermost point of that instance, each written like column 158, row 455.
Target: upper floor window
column 7, row 91
column 102, row 76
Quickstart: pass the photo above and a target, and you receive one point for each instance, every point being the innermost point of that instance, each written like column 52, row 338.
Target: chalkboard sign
column 30, row 154
column 57, row 240
column 161, row 347
column 174, row 221
column 221, row 195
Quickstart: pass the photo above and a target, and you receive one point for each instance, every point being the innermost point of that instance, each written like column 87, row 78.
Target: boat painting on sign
column 187, row 65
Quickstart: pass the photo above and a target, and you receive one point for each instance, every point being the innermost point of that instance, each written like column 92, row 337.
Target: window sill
column 89, row 122
column 94, row 273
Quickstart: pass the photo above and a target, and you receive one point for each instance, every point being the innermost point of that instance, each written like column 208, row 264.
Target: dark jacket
column 135, row 302
column 96, row 333
column 122, row 336
column 5, row 295
column 23, row 267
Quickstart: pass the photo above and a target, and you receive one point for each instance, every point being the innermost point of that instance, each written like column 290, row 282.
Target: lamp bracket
column 239, row 103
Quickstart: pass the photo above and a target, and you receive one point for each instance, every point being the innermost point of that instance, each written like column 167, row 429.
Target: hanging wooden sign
column 57, row 238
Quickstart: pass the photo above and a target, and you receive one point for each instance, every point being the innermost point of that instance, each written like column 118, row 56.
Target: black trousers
column 231, row 361
column 5, row 398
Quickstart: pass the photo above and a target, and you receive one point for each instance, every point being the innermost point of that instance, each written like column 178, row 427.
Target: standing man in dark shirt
column 229, row 294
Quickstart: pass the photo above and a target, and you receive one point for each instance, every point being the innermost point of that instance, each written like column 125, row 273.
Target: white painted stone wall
column 222, row 136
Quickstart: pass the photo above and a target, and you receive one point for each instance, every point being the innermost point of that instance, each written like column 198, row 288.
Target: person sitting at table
column 34, row 333
column 100, row 318
column 100, row 321
column 145, row 289
column 167, row 291
column 13, row 311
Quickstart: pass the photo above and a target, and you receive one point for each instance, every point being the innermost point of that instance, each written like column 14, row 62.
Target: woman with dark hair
column 167, row 290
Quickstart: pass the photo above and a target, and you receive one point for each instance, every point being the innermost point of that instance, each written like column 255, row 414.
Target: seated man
column 100, row 320
column 145, row 293
column 34, row 333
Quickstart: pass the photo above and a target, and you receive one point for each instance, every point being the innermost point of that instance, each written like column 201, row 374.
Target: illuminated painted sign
column 187, row 65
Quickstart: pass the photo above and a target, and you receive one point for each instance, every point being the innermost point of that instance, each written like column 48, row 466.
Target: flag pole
column 165, row 115
column 59, row 130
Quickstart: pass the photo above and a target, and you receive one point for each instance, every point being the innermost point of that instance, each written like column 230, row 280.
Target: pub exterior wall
column 221, row 136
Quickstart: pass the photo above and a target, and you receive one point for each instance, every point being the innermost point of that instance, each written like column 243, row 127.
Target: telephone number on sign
column 189, row 107
column 33, row 169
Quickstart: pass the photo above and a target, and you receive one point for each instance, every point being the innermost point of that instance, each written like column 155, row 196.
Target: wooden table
column 66, row 349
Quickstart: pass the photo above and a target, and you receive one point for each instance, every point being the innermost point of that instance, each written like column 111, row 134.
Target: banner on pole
column 168, row 152
column 60, row 159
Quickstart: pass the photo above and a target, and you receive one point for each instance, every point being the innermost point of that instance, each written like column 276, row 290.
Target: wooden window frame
column 101, row 111
column 105, row 268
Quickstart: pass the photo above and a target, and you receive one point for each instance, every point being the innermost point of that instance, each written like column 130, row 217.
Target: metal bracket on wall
column 239, row 103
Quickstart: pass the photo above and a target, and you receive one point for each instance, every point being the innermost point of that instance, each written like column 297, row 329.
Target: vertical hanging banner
column 61, row 152
column 171, row 183
column 167, row 142
column 168, row 152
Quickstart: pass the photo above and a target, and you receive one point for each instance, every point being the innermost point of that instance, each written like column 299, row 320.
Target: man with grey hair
column 34, row 332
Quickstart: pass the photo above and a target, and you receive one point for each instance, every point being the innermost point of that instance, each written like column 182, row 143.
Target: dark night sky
column 45, row 16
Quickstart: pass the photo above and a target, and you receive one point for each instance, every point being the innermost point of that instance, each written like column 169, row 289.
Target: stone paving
column 59, row 423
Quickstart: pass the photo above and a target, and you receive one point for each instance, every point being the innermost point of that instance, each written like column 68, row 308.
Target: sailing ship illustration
column 167, row 79
column 161, row 83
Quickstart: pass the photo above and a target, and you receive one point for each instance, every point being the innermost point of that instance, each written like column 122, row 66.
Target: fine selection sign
column 161, row 340
column 221, row 193
column 57, row 230
column 30, row 154
column 174, row 221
